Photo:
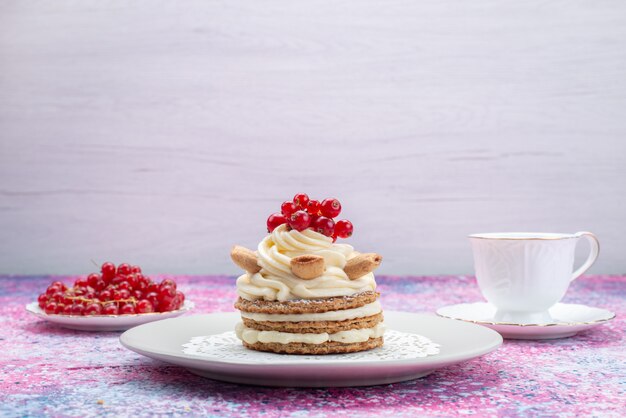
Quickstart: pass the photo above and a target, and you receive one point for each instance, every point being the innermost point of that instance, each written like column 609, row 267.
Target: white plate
column 569, row 319
column 164, row 341
column 106, row 322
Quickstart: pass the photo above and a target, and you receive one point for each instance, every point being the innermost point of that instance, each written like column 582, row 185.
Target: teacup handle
column 593, row 255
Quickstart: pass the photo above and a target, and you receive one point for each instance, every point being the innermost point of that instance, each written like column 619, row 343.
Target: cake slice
column 302, row 293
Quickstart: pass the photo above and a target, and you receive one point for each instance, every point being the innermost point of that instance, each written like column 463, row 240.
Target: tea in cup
column 523, row 274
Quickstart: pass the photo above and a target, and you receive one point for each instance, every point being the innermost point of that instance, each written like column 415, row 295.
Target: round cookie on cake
column 303, row 293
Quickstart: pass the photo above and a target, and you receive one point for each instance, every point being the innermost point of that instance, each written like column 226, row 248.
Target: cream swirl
column 275, row 281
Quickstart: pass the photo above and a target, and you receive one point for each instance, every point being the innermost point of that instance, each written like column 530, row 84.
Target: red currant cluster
column 302, row 213
column 120, row 290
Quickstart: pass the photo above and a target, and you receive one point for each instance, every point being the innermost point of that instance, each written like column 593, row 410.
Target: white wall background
column 162, row 132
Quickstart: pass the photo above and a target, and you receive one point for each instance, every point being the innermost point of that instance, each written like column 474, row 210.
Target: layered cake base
column 332, row 325
column 330, row 347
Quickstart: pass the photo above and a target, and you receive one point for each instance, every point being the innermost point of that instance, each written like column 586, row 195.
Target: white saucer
column 569, row 319
column 106, row 322
column 404, row 356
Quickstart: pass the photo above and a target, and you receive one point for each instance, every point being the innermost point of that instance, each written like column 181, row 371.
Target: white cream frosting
column 252, row 336
column 275, row 281
column 343, row 315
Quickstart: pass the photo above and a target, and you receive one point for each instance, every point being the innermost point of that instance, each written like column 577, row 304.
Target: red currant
column 137, row 294
column 142, row 283
column 180, row 300
column 287, row 208
column 124, row 285
column 90, row 293
column 105, row 295
column 344, row 228
column 166, row 295
column 52, row 289
column 50, row 308
column 152, row 287
column 81, row 282
column 170, row 304
column 99, row 285
column 166, row 306
column 92, row 279
column 59, row 309
column 121, row 294
column 42, row 300
column 127, row 309
column 123, row 269
column 324, row 226
column 110, row 309
column 59, row 285
column 67, row 310
column 144, row 306
column 331, row 207
column 300, row 220
column 135, row 269
column 168, row 282
column 132, row 280
column 167, row 290
column 313, row 207
column 301, row 200
column 57, row 297
column 275, row 220
column 152, row 297
column 176, row 304
column 118, row 279
column 78, row 309
column 108, row 271
column 138, row 277
column 93, row 309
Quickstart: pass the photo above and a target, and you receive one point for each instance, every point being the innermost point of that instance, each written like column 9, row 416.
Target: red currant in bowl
column 108, row 271
column 78, row 309
column 118, row 303
column 50, row 308
column 168, row 282
column 93, row 309
column 144, row 306
column 42, row 300
column 110, row 309
column 127, row 309
column 123, row 269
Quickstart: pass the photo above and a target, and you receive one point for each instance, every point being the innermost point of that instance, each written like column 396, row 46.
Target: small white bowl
column 106, row 322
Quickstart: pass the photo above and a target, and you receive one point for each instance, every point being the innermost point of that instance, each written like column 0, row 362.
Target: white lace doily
column 226, row 346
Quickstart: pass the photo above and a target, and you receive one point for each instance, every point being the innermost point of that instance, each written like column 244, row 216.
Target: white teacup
column 524, row 274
